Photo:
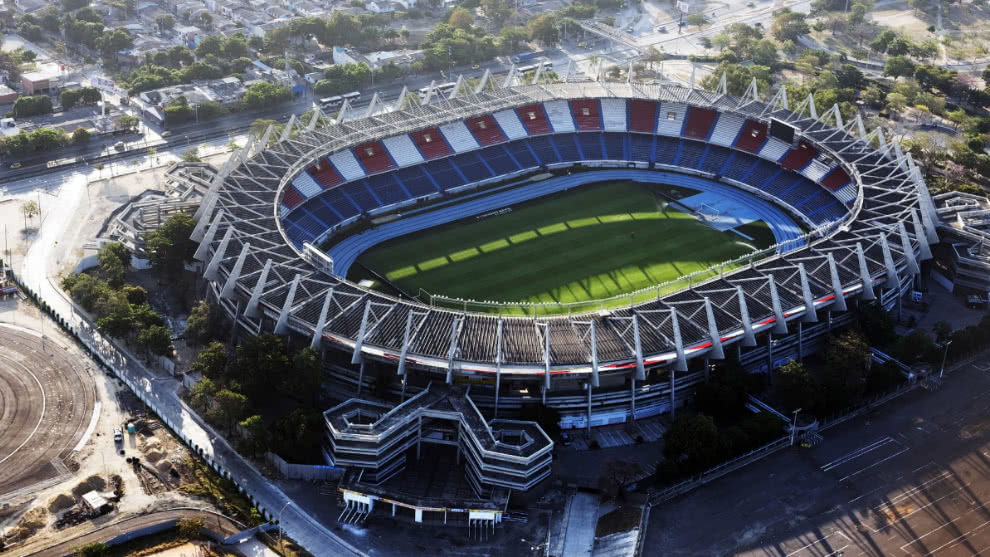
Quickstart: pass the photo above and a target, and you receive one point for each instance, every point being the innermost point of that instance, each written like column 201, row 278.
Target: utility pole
column 794, row 426
column 944, row 355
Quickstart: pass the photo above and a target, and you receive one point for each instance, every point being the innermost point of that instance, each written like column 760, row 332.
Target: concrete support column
column 360, row 378
column 770, row 356
column 708, row 370
column 588, row 427
column 419, row 437
column 800, row 341
column 673, row 394
column 393, row 509
column 419, row 515
column 632, row 400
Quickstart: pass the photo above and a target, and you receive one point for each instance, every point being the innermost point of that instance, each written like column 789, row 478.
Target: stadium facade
column 870, row 217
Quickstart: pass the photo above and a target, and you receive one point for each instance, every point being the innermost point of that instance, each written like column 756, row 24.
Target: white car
column 118, row 436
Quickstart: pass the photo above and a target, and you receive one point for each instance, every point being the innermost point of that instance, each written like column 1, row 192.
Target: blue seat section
column 522, row 154
column 691, row 152
column 591, row 146
column 386, row 188
column 443, row 173
column 613, row 146
column 541, row 146
column 360, row 195
column 666, row 149
column 471, row 166
column 296, row 234
column 715, row 159
column 831, row 212
column 816, row 201
column 799, row 192
column 319, row 209
column 304, row 228
column 739, row 165
column 780, row 183
column 341, row 204
column 566, row 147
column 499, row 160
column 641, row 147
column 763, row 171
column 415, row 181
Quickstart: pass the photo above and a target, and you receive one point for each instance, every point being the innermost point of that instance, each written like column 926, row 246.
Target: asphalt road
column 212, row 522
column 47, row 401
column 913, row 478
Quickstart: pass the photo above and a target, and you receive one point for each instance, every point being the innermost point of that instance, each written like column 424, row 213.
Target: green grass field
column 595, row 242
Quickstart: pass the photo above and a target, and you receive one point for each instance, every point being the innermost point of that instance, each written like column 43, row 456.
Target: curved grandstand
column 867, row 212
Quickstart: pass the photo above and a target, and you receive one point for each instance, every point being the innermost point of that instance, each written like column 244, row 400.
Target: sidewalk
column 582, row 517
column 161, row 392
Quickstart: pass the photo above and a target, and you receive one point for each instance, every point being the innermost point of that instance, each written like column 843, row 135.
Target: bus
column 337, row 100
column 547, row 65
column 441, row 88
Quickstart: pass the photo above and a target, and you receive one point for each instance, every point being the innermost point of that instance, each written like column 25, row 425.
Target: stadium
column 783, row 219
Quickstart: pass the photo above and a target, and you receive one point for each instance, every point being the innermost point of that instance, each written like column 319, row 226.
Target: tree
column 305, row 383
column 764, row 53
column 898, row 66
column 788, row 25
column 264, row 94
column 796, row 387
column 206, row 18
column 116, row 316
column 460, row 19
column 697, row 20
column 32, row 105
column 260, row 361
column 136, row 295
column 156, row 340
column 80, row 136
column 883, row 378
column 29, row 209
column 114, row 41
column 190, row 528
column 165, row 22
column 857, row 14
column 201, row 395
column 170, row 247
column 616, row 474
column 256, row 435
column 198, row 324
column 497, row 11
column 235, row 46
column 691, row 442
column 899, row 46
column 942, row 330
column 211, row 44
column 850, row 77
column 92, row 550
column 212, row 361
column 114, row 261
column 544, row 29
column 896, row 101
column 229, row 407
column 128, row 122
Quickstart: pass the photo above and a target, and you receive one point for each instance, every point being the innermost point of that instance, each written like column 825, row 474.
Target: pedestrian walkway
column 582, row 517
column 650, row 429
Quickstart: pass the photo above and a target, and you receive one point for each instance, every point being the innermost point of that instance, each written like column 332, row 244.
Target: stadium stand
column 499, row 160
column 522, row 153
column 835, row 179
column 360, row 194
column 614, row 114
column 760, row 174
column 430, row 143
column 780, row 183
column 544, row 150
column 386, row 189
column 643, row 115
column 726, row 129
column 458, row 137
column 774, row 149
column 591, row 146
column 510, row 124
column 416, row 182
column 559, row 113
column 699, row 122
column 586, row 114
column 691, row 153
column 327, row 176
column 566, row 147
column 373, row 157
column 403, row 150
column 292, row 197
column 534, row 119
column 846, row 194
column 306, row 185
column 816, row 170
column 798, row 158
column 751, row 136
column 613, row 145
column 485, row 129
column 444, row 175
column 715, row 159
column 347, row 165
column 738, row 165
column 472, row 167
column 671, row 119
column 665, row 151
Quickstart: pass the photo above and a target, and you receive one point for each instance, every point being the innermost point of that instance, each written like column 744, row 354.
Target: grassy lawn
column 598, row 241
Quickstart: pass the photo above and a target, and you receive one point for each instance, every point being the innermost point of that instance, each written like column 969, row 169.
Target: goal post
column 708, row 213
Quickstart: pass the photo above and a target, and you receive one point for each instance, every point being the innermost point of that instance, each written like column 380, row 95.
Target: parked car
column 118, row 435
column 565, row 439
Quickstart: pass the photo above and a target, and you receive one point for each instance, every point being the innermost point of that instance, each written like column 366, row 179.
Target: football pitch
column 597, row 241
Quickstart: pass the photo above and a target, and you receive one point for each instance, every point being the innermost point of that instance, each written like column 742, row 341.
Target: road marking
column 857, row 453
column 908, row 515
column 958, row 539
column 917, row 539
column 944, row 475
column 821, row 539
column 40, row 418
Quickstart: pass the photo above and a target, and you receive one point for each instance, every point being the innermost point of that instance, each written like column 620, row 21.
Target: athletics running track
column 347, row 251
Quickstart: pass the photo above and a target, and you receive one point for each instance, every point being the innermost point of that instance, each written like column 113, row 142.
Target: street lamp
column 280, row 547
column 794, row 426
column 944, row 354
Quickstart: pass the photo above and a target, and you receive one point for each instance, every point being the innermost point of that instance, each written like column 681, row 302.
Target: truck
column 525, row 56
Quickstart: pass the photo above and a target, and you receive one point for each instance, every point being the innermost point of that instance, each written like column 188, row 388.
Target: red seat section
column 485, row 130
column 796, row 159
column 699, row 122
column 430, row 143
column 836, row 179
column 292, row 197
column 752, row 136
column 586, row 114
column 534, row 119
column 642, row 116
column 373, row 156
column 326, row 175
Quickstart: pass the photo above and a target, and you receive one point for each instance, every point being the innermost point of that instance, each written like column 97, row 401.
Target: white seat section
column 510, row 124
column 459, row 137
column 283, row 211
column 774, row 149
column 347, row 165
column 402, row 149
column 846, row 194
column 815, row 171
column 671, row 119
column 726, row 129
column 306, row 185
column 559, row 113
column 614, row 114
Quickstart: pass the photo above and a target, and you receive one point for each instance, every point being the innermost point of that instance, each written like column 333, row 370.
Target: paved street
column 161, row 392
column 581, row 519
column 912, row 478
